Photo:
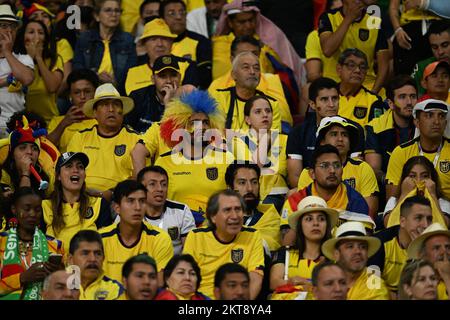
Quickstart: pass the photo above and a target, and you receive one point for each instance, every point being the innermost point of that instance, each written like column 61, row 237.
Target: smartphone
column 55, row 258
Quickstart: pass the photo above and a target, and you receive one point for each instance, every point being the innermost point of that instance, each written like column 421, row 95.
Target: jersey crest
column 444, row 166
column 173, row 233
column 351, row 182
column 212, row 173
column 363, row 34
column 237, row 255
column 89, row 213
column 360, row 112
column 100, row 295
column 120, row 150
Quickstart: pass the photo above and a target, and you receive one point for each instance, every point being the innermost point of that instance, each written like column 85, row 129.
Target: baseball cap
column 69, row 156
column 429, row 105
column 429, row 69
column 165, row 62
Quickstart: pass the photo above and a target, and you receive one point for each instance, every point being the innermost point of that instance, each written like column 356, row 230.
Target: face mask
column 86, row 14
column 150, row 18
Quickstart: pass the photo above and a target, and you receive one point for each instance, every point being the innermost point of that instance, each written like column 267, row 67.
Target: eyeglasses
column 111, row 11
column 5, row 25
column 352, row 66
column 326, row 165
column 173, row 13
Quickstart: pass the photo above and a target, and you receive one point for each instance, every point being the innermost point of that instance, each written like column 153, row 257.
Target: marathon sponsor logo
column 92, row 147
column 182, row 173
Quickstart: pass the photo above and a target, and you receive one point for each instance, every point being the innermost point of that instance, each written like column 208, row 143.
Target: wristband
column 397, row 30
column 25, row 175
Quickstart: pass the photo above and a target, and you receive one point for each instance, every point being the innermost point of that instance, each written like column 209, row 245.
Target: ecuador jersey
column 442, row 291
column 98, row 215
column 103, row 288
column 109, row 157
column 269, row 83
column 64, row 49
column 153, row 241
column 130, row 14
column 390, row 258
column 273, row 174
column 416, row 15
column 210, row 253
column 38, row 99
column 266, row 220
column 361, row 107
column 440, row 159
column 141, row 76
column 383, row 135
column 357, row 173
column 207, row 173
column 69, row 131
column 298, row 266
column 344, row 198
column 362, row 34
column 221, row 46
column 10, row 285
column 313, row 51
column 368, row 286
column 153, row 142
column 233, row 106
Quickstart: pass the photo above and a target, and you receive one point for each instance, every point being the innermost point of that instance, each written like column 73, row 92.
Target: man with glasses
column 188, row 44
column 326, row 172
column 16, row 70
column 356, row 102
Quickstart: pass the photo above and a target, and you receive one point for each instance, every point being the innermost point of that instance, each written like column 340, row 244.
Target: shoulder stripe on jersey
column 225, row 89
column 208, row 229
column 409, row 143
column 150, row 232
column 168, row 153
column 356, row 162
column 174, row 205
column 387, row 234
column 248, row 229
column 109, row 234
column 87, row 129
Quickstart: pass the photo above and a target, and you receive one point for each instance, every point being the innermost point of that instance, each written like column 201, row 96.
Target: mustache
column 92, row 266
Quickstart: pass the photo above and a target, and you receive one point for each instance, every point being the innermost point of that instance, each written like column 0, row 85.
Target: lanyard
column 436, row 157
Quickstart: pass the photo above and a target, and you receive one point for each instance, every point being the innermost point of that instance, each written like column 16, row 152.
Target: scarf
column 338, row 201
column 12, row 262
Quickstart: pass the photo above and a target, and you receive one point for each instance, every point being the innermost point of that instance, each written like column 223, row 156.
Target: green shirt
column 418, row 74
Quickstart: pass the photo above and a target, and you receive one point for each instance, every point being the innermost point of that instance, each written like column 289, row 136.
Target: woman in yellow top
column 34, row 39
column 267, row 148
column 70, row 209
column 313, row 222
column 418, row 177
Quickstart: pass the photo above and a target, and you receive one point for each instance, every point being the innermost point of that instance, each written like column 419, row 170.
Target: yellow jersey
column 153, row 142
column 69, row 131
column 313, row 50
column 266, row 220
column 130, row 14
column 109, row 157
column 210, row 253
column 368, row 286
column 441, row 161
column 64, row 49
column 357, row 173
column 103, row 288
column 153, row 241
column 298, row 266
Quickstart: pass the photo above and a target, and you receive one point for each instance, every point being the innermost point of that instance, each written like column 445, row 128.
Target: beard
column 252, row 204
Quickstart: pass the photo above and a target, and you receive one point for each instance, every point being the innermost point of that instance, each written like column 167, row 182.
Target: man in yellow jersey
column 86, row 255
column 433, row 245
column 352, row 27
column 131, row 236
column 107, row 144
column 436, row 81
column 415, row 216
column 244, row 178
column 394, row 127
column 140, row 278
column 430, row 120
column 246, row 74
column 329, row 282
column 232, row 282
column 226, row 240
column 82, row 84
column 192, row 127
column 271, row 84
column 356, row 102
column 343, row 135
column 188, row 44
column 351, row 248
column 56, row 287
column 158, row 41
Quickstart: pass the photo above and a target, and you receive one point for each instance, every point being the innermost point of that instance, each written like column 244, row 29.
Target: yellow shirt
column 313, row 50
column 194, row 4
column 38, row 99
column 269, row 83
column 103, row 288
column 153, row 142
column 130, row 14
column 357, row 173
column 6, row 179
column 109, row 157
column 298, row 267
column 69, row 131
column 442, row 291
column 267, row 221
column 221, row 46
column 106, row 63
column 410, row 149
column 153, row 240
column 362, row 107
column 64, row 49
column 246, row 249
column 228, row 97
column 141, row 76
column 368, row 287
column 72, row 219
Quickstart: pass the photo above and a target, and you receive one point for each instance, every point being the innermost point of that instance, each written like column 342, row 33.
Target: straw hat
column 312, row 204
column 6, row 14
column 107, row 91
column 351, row 230
column 417, row 244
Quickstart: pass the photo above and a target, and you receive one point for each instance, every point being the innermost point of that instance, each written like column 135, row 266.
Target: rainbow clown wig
column 179, row 110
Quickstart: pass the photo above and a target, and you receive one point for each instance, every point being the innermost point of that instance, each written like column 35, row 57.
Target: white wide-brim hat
column 107, row 91
column 416, row 245
column 312, row 204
